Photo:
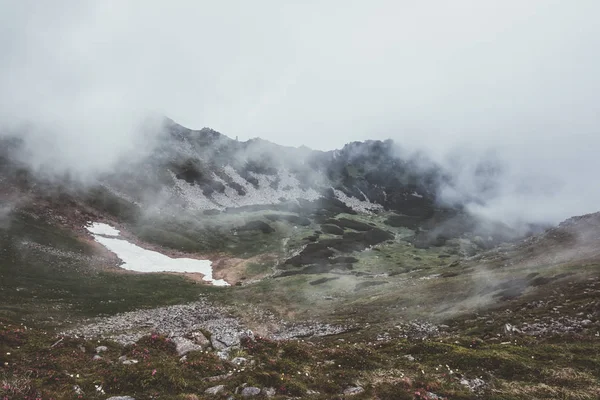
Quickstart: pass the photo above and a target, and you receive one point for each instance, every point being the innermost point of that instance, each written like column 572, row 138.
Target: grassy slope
column 419, row 285
column 51, row 287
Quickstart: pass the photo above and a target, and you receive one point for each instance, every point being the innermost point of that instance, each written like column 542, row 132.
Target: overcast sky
column 522, row 77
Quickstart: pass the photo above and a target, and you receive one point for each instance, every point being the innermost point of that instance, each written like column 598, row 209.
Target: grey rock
column 409, row 357
column 186, row 320
column 218, row 377
column 101, row 349
column 121, row 398
column 130, row 362
column 510, row 329
column 474, row 385
column 225, row 339
column 248, row 335
column 239, row 360
column 354, row 390
column 200, row 339
column 250, row 391
column 215, row 389
column 184, row 346
column 122, row 358
column 97, row 358
column 224, row 354
column 269, row 392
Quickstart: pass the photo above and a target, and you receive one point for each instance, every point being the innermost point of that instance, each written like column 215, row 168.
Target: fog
column 462, row 80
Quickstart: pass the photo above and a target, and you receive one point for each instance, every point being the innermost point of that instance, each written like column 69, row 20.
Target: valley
column 222, row 269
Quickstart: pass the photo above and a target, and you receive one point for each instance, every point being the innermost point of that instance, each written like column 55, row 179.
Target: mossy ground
column 512, row 367
column 429, row 284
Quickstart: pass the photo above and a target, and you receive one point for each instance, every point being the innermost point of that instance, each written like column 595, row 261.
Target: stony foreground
column 481, row 357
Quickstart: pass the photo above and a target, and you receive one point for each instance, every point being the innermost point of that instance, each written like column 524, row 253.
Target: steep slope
column 254, row 202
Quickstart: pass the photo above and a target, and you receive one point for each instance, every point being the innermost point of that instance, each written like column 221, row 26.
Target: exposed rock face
column 205, row 170
column 203, row 178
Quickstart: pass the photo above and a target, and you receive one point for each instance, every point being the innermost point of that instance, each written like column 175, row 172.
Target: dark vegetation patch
column 322, row 253
column 344, row 260
column 316, row 269
column 424, row 240
column 256, row 226
column 398, row 221
column 263, row 166
column 332, row 229
column 104, row 201
column 211, row 212
column 311, row 238
column 195, row 172
column 364, row 285
column 346, row 223
column 323, row 280
column 249, row 178
column 450, row 274
column 185, row 234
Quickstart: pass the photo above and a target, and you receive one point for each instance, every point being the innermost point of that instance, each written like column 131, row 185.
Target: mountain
column 349, row 275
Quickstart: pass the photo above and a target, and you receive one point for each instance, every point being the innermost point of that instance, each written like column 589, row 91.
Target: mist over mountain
column 387, row 200
column 467, row 85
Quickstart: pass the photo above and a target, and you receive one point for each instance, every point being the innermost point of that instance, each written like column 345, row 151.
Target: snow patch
column 357, row 205
column 288, row 188
column 98, row 228
column 138, row 259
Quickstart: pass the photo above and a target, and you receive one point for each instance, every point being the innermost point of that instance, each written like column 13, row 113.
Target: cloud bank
column 462, row 80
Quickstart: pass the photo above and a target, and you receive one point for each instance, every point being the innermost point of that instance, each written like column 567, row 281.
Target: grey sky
column 520, row 76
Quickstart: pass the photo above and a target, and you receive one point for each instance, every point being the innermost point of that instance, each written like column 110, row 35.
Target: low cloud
column 467, row 82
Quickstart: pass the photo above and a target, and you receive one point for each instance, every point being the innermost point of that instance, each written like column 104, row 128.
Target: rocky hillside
column 349, row 277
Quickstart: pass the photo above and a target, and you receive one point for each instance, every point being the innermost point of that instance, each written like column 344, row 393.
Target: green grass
column 48, row 287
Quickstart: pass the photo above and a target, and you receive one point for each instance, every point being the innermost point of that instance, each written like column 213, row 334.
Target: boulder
column 215, row 389
column 250, row 391
column 239, row 360
column 200, row 339
column 184, row 346
column 353, row 390
column 101, row 349
column 120, row 398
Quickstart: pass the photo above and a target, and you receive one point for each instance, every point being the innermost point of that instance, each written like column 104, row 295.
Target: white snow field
column 138, row 259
